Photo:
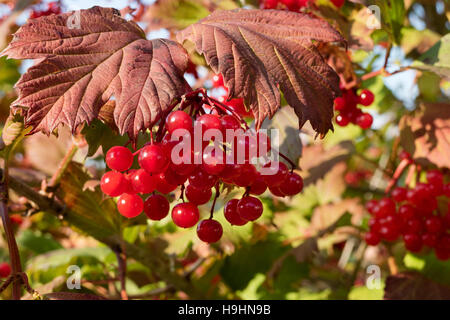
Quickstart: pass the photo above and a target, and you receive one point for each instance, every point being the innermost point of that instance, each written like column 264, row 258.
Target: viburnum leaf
column 259, row 52
column 77, row 70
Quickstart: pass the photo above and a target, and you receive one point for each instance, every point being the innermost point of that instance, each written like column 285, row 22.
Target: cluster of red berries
column 172, row 162
column 293, row 5
column 52, row 8
column 348, row 111
column 5, row 270
column 414, row 215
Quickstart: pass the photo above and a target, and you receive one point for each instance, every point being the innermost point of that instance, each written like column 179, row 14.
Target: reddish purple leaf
column 261, row 51
column 414, row 286
column 78, row 70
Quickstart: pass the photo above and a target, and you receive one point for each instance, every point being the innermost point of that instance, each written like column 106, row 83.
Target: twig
column 54, row 180
column 11, row 240
column 155, row 292
column 122, row 265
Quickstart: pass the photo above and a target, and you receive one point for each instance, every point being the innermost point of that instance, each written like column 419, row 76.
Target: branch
column 155, row 260
column 63, row 165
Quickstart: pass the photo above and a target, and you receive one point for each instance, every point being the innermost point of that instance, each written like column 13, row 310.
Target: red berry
column 142, row 181
column 178, row 120
column 247, row 176
column 270, row 4
column 230, row 172
column 212, row 163
column 275, row 173
column 209, row 230
column 292, row 185
column 249, row 208
column 258, row 186
column 406, row 212
column 113, row 183
column 404, row 155
column 200, row 179
column 198, row 196
column 231, row 214
column 130, row 205
column 372, row 239
column 237, row 105
column 153, row 159
column 339, row 104
column 413, row 242
column 156, row 207
column 435, row 177
column 366, row 97
column 119, row 158
column 5, row 270
column 385, row 208
column 162, row 185
column 433, row 224
column 342, row 120
column 209, row 122
column 364, row 120
column 229, row 122
column 399, row 194
column 185, row 215
column 217, row 81
column 389, row 232
column 276, row 192
column 429, row 240
column 371, row 205
column 414, row 226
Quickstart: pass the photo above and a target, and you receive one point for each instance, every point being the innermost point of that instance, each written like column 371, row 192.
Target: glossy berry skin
column 399, row 194
column 275, row 173
column 142, row 181
column 208, row 122
column 389, row 232
column 113, row 183
column 162, row 185
column 231, row 214
column 429, row 240
column 119, row 158
column 249, row 208
column 212, row 163
column 156, row 207
column 153, row 159
column 433, row 224
column 366, row 97
column 371, row 205
column 237, row 105
column 209, row 231
column 185, row 215
column 247, row 176
column 406, row 212
column 230, row 172
column 276, row 192
column 200, row 179
column 342, row 120
column 339, row 103
column 130, row 205
column 229, row 122
column 338, row 3
column 258, row 187
column 217, row 81
column 179, row 120
column 385, row 207
column 372, row 239
column 435, row 177
column 413, row 242
column 364, row 120
column 292, row 185
column 5, row 270
column 197, row 196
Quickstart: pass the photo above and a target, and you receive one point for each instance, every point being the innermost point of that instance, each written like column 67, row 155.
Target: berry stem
column 292, row 164
column 54, row 180
column 397, row 174
column 211, row 215
column 226, row 108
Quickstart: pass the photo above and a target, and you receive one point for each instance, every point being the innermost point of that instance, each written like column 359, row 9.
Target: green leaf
column 429, row 266
column 99, row 134
column 437, row 59
column 393, row 12
column 37, row 242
